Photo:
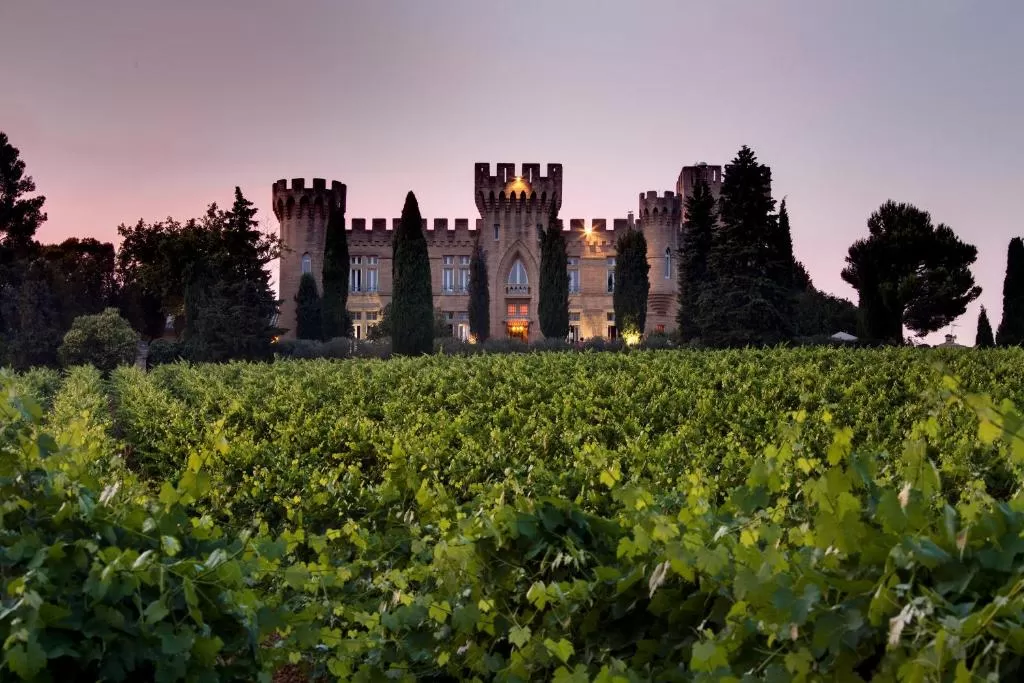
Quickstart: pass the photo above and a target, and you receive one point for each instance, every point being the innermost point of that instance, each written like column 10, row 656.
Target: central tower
column 514, row 208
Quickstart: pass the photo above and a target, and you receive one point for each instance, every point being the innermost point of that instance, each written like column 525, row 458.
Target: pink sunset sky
column 153, row 108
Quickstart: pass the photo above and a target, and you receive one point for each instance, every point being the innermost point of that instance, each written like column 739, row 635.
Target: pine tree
column 412, row 301
column 782, row 263
column 695, row 248
column 479, row 295
column 984, row 339
column 1011, row 326
column 632, row 282
column 553, row 308
column 308, row 317
column 336, row 319
column 744, row 303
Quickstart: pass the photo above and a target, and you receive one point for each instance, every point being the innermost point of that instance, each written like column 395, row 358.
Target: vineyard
column 777, row 515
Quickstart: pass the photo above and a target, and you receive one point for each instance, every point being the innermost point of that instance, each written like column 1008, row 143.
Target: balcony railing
column 517, row 290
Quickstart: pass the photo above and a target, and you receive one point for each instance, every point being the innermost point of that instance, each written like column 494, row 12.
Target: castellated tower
column 514, row 207
column 690, row 175
column 302, row 212
column 660, row 221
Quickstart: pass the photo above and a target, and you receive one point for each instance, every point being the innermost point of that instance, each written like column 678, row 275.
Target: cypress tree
column 695, row 248
column 333, row 305
column 1011, row 327
column 553, row 308
column 412, row 302
column 308, row 314
column 744, row 302
column 781, row 259
column 479, row 295
column 632, row 282
column 984, row 339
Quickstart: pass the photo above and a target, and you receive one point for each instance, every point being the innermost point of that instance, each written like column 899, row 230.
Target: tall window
column 355, row 274
column 307, row 264
column 517, row 280
column 668, row 263
column 495, row 232
column 612, row 331
column 463, row 274
column 448, row 274
column 611, row 274
column 371, row 274
column 574, row 326
column 357, row 324
column 574, row 275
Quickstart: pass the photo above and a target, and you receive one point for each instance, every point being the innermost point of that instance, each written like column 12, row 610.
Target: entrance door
column 517, row 321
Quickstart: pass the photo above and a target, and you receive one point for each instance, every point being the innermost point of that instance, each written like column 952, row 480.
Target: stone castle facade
column 514, row 206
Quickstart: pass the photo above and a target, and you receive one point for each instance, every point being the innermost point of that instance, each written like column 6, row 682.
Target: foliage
column 336, row 320
column 105, row 340
column 382, row 330
column 983, row 339
column 308, row 315
column 783, row 266
column 694, row 251
column 553, row 305
column 479, row 295
column 31, row 318
column 412, row 301
column 1011, row 325
column 632, row 282
column 644, row 516
column 908, row 272
column 819, row 313
column 748, row 297
column 226, row 320
column 83, row 276
column 20, row 215
column 163, row 351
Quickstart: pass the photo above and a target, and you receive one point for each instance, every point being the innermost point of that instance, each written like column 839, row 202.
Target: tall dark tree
column 479, row 295
column 31, row 312
column 632, row 282
column 20, row 215
column 308, row 316
column 84, row 282
column 694, row 251
column 1011, row 326
column 412, row 300
column 909, row 273
column 745, row 303
column 984, row 339
column 334, row 304
column 783, row 266
column 553, row 307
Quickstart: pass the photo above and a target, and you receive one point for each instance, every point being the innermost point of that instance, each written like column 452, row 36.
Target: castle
column 513, row 207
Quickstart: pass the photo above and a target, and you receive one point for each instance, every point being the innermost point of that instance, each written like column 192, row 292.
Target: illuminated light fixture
column 588, row 228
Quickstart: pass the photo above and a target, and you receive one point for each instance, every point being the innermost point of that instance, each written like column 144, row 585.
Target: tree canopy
column 1011, row 325
column 334, row 303
column 909, row 273
column 984, row 339
column 20, row 215
column 632, row 282
column 479, row 295
column 694, row 252
column 553, row 306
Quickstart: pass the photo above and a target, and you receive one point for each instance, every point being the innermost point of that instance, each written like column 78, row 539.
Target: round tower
column 660, row 221
column 302, row 213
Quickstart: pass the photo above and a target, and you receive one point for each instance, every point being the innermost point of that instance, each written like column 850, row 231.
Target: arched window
column 668, row 263
column 517, row 283
column 307, row 264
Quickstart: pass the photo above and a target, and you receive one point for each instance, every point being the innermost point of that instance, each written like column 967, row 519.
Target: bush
column 657, row 341
column 163, row 351
column 551, row 345
column 374, row 348
column 499, row 345
column 339, row 347
column 451, row 346
column 105, row 340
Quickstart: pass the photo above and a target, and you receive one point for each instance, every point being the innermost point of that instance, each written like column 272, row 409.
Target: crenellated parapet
column 526, row 191
column 301, row 201
column 456, row 232
column 655, row 209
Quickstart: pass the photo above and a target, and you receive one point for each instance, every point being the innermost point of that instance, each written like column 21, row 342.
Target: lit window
column 668, row 263
column 307, row 264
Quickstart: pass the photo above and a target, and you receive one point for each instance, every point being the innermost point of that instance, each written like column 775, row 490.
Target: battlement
column 440, row 230
column 527, row 190
column 667, row 205
column 300, row 201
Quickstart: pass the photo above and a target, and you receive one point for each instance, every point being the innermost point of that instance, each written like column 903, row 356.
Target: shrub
column 657, row 341
column 104, row 340
column 163, row 351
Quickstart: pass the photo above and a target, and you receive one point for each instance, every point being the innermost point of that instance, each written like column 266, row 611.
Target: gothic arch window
column 517, row 274
column 307, row 264
column 668, row 263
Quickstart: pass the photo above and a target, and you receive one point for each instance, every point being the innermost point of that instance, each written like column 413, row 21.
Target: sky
column 147, row 108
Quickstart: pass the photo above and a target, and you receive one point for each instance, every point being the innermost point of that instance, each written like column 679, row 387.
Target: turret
column 660, row 218
column 302, row 212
